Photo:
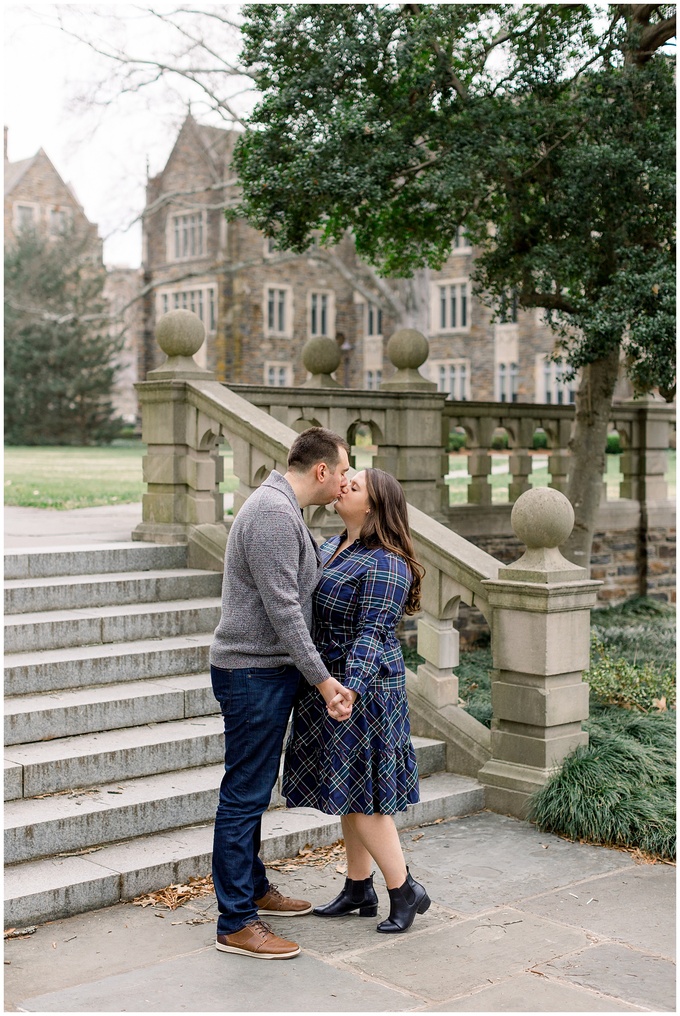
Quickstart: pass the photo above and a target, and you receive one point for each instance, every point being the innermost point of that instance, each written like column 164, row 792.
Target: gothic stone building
column 36, row 197
column 259, row 306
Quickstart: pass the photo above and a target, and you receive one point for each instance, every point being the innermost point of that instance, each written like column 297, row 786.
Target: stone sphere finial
column 321, row 356
column 180, row 333
column 542, row 517
column 408, row 349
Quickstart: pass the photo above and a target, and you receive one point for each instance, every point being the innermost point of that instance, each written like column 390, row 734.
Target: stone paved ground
column 521, row 921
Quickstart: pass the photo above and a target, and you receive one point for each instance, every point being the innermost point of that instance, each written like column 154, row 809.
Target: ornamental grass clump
column 619, row 790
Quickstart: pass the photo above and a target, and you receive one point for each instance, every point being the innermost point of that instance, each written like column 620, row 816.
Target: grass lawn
column 65, row 477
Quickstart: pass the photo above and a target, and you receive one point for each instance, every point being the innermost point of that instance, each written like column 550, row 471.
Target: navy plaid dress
column 365, row 764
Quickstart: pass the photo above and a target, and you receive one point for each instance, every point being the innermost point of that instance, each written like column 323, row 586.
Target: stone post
column 414, row 449
column 180, row 469
column 479, row 458
column 541, row 645
column 520, row 461
column 644, row 464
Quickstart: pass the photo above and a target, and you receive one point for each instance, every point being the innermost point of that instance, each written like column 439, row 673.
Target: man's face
column 335, row 480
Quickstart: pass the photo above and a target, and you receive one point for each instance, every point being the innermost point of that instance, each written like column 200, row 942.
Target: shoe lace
column 274, row 890
column 261, row 927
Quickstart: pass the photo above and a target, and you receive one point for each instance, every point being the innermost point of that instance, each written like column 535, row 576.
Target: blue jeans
column 256, row 703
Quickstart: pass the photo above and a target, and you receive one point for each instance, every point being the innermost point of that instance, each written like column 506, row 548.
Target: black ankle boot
column 405, row 902
column 356, row 895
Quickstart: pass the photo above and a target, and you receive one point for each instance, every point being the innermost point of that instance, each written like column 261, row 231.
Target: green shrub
column 474, row 684
column 615, row 681
column 540, row 440
column 499, row 442
column 619, row 790
column 613, row 444
column 456, row 441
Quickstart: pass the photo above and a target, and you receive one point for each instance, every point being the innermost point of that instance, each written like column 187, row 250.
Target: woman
column 364, row 768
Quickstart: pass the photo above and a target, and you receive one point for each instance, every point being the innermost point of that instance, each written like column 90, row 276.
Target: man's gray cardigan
column 271, row 568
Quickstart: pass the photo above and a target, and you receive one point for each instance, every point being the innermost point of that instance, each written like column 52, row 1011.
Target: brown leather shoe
column 259, row 941
column 275, row 904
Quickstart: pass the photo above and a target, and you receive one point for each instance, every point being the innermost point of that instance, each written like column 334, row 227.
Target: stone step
column 46, row 890
column 58, row 629
column 88, row 760
column 30, row 718
column 119, row 662
column 23, row 596
column 92, row 559
column 79, row 819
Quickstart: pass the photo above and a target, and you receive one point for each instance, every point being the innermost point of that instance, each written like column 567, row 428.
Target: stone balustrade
column 537, row 609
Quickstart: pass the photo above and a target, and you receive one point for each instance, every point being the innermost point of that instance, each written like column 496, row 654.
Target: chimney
column 6, row 159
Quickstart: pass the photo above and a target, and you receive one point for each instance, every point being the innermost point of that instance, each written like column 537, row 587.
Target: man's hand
column 338, row 699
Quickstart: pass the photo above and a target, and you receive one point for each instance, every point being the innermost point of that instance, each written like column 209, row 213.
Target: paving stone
column 533, row 993
column 228, row 984
column 468, row 954
column 617, row 970
column 511, row 860
column 460, row 955
column 335, row 936
column 646, row 890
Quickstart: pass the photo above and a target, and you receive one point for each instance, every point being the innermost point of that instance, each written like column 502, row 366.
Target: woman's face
column 352, row 506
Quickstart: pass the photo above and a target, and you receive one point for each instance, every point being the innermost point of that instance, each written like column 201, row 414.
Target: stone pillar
column 644, row 464
column 541, row 645
column 559, row 455
column 181, row 468
column 414, row 449
column 520, row 463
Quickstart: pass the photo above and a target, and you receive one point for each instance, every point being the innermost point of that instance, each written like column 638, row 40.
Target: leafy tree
column 546, row 130
column 60, row 358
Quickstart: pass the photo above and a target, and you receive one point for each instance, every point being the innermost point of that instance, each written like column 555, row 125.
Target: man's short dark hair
column 316, row 445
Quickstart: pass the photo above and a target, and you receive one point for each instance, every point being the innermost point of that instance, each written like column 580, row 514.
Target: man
column 261, row 647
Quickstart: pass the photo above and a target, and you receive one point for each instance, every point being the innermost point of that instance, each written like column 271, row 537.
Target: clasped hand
column 339, row 700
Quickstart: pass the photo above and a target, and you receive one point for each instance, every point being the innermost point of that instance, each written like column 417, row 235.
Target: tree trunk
column 588, row 444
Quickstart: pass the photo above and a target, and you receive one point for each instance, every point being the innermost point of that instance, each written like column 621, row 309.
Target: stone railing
column 643, row 426
column 538, row 608
column 410, row 424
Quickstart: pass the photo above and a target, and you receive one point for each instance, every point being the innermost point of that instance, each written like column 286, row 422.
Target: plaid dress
column 365, row 764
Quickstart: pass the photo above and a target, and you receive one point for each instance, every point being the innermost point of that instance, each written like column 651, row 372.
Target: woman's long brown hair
column 387, row 526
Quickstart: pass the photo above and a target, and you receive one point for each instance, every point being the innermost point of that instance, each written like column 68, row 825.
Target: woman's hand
column 339, row 700
column 337, row 705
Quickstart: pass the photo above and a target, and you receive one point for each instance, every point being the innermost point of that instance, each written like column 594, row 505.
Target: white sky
column 102, row 152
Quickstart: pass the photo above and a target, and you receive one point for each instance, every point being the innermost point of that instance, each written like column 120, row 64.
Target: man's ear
column 321, row 471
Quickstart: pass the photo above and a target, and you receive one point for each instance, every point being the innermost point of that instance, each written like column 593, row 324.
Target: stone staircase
column 114, row 747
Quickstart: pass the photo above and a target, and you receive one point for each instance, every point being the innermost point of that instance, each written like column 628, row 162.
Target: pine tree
column 60, row 356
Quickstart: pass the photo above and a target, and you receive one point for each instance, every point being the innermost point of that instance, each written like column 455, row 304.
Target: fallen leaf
column 21, row 932
column 417, row 837
column 174, row 896
column 308, row 856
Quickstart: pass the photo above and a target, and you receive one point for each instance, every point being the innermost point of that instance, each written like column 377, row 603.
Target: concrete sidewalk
column 521, row 921
column 34, row 528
